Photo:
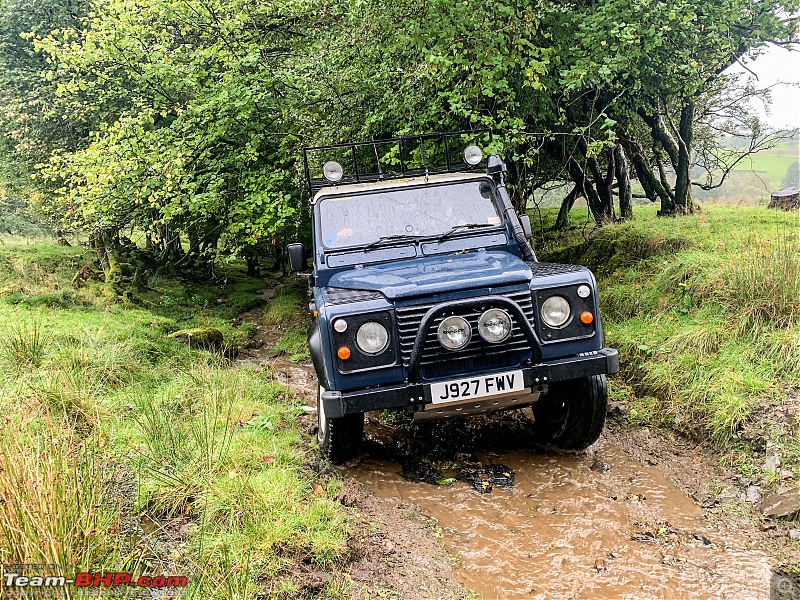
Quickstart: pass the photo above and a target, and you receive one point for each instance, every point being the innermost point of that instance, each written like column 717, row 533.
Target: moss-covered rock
column 84, row 276
column 207, row 338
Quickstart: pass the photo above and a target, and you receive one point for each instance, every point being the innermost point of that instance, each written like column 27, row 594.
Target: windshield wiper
column 458, row 228
column 391, row 238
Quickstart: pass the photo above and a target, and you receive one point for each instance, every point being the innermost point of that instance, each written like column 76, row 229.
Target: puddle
column 592, row 525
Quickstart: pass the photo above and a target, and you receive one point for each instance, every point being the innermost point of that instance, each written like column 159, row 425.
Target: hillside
column 706, row 313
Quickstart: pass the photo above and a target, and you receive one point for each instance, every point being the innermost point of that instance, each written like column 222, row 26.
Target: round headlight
column 555, row 311
column 332, row 171
column 494, row 325
column 340, row 325
column 454, row 333
column 584, row 291
column 372, row 338
column 473, row 155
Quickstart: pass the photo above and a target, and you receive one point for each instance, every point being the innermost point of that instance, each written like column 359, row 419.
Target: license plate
column 477, row 387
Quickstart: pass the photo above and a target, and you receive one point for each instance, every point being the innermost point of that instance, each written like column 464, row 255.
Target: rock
column 617, row 409
column 84, row 276
column 207, row 338
column 752, row 494
column 781, row 506
column 772, row 463
column 794, row 534
column 600, row 466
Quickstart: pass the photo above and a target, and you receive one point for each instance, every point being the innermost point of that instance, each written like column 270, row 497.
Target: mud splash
column 591, row 525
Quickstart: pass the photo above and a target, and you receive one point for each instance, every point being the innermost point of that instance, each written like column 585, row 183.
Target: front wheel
column 340, row 438
column 572, row 414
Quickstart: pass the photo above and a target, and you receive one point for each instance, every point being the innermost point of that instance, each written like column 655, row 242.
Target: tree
column 33, row 119
column 194, row 145
column 792, row 176
column 656, row 63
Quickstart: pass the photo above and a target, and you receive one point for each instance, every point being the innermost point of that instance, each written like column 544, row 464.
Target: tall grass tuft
column 24, row 346
column 52, row 499
column 763, row 285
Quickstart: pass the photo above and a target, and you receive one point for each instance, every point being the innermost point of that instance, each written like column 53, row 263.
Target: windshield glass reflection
column 425, row 211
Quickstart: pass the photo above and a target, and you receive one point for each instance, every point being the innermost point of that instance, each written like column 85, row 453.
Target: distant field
column 771, row 164
column 750, row 183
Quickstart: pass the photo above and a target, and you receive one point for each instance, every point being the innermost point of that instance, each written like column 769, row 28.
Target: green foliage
column 293, row 342
column 288, row 305
column 117, row 437
column 184, row 120
column 191, row 138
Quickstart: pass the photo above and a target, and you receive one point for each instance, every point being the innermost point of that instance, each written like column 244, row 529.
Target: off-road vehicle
column 427, row 296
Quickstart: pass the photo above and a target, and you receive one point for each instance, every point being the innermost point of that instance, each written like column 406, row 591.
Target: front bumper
column 339, row 404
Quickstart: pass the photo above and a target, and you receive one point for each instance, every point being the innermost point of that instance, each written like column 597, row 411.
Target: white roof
column 350, row 188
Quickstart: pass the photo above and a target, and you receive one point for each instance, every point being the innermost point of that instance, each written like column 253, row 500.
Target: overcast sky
column 778, row 65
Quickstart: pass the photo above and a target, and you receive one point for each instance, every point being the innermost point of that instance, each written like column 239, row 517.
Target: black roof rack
column 395, row 158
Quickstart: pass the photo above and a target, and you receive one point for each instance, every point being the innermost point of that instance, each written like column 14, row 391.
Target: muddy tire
column 572, row 414
column 339, row 439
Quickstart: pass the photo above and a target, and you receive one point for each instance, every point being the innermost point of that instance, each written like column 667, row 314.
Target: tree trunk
column 566, row 205
column 251, row 259
column 518, row 184
column 586, row 188
column 653, row 188
column 683, row 182
column 604, row 211
column 660, row 133
column 624, row 183
column 107, row 255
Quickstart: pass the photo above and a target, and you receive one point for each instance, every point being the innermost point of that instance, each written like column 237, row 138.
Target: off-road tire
column 340, row 438
column 572, row 414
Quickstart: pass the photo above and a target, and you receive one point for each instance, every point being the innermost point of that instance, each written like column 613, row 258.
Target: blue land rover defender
column 427, row 296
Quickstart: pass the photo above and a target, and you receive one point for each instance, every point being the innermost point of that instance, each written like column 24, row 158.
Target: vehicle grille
column 478, row 355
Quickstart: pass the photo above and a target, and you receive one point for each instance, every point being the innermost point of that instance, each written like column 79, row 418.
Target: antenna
column 378, row 159
column 423, row 155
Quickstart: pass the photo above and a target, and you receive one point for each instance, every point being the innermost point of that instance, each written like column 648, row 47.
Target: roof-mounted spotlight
column 332, row 171
column 473, row 155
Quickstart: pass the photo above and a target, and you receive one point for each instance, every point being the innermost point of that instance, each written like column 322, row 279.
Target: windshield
column 431, row 210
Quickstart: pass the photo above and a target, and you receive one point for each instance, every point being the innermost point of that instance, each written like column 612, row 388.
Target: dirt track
column 641, row 514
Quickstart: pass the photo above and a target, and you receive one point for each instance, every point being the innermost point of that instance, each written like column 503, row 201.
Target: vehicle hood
column 436, row 274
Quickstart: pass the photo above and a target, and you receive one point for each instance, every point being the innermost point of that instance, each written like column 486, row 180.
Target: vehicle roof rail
column 394, row 158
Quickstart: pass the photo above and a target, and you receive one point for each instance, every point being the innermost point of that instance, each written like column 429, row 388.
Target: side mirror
column 525, row 221
column 298, row 261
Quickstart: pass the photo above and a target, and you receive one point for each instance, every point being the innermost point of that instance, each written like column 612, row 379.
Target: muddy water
column 591, row 525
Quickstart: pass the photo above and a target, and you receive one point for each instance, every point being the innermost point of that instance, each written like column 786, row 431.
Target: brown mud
column 641, row 514
column 597, row 524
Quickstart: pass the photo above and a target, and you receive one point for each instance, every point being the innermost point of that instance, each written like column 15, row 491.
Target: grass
column 705, row 311
column 287, row 311
column 125, row 450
